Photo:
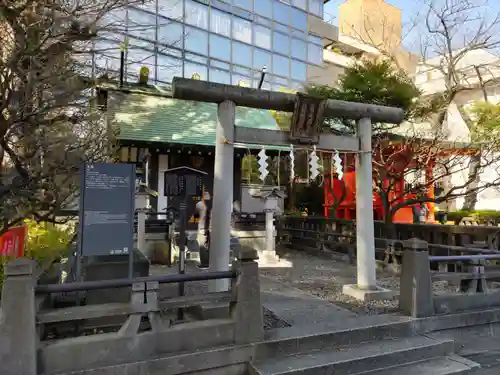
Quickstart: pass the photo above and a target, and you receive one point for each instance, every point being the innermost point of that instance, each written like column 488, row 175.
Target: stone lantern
column 271, row 198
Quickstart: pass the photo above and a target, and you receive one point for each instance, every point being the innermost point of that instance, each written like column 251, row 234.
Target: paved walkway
column 480, row 344
column 297, row 307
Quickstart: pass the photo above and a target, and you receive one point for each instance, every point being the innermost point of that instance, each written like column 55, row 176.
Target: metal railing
column 463, row 258
column 120, row 283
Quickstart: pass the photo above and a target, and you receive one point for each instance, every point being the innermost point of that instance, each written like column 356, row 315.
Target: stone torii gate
column 228, row 97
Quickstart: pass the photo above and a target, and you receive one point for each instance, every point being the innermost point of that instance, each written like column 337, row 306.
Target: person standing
column 203, row 211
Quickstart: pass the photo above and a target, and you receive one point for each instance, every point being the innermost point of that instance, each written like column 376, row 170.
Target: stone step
column 449, row 365
column 350, row 331
column 355, row 359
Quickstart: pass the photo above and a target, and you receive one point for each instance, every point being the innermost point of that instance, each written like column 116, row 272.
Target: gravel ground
column 324, row 278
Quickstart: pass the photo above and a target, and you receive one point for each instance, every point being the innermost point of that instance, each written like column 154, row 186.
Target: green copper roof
column 142, row 117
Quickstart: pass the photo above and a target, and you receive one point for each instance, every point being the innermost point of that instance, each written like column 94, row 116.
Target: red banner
column 12, row 242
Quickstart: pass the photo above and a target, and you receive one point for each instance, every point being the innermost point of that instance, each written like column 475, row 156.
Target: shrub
column 45, row 242
column 483, row 217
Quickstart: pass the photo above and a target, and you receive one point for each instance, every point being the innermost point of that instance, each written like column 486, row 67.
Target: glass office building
column 220, row 41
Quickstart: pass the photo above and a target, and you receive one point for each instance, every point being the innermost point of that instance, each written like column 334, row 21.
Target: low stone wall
column 26, row 346
column 417, row 298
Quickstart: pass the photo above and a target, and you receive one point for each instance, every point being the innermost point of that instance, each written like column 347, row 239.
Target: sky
column 409, row 7
column 411, row 10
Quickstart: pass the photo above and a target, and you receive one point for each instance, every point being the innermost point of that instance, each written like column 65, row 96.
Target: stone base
column 366, row 295
column 270, row 259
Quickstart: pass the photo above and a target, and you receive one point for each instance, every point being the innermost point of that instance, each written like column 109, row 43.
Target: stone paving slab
column 297, row 307
column 480, row 344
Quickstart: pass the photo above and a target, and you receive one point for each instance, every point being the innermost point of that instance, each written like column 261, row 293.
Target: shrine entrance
column 308, row 115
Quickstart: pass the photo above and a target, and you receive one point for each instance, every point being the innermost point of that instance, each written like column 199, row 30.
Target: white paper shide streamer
column 337, row 161
column 292, row 163
column 313, row 164
column 262, row 160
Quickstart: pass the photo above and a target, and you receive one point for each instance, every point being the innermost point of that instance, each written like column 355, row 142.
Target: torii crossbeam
column 228, row 97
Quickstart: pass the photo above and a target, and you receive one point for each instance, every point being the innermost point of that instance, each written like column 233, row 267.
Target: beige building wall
column 373, row 21
column 327, row 75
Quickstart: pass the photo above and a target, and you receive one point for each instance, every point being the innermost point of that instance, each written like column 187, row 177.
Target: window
column 280, row 83
column 220, row 22
column 170, row 33
column 299, row 19
column 281, row 12
column 241, row 80
column 196, row 14
column 260, row 59
column 245, row 4
column 107, row 55
column 219, row 64
column 264, row 21
column 219, row 76
column 262, row 37
column 299, row 49
column 315, row 39
column 139, row 43
column 171, row 8
column 242, row 30
column 137, row 58
column 242, row 71
column 281, row 43
column 281, row 65
column 142, row 24
column 148, row 5
column 242, row 54
column 196, row 40
column 316, row 7
column 190, row 69
column 196, row 58
column 263, row 7
column 315, row 54
column 167, row 68
column 220, row 47
column 221, row 4
column 114, row 20
column 281, row 28
column 302, row 4
column 299, row 70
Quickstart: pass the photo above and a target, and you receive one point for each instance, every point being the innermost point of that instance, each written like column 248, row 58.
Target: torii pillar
column 228, row 97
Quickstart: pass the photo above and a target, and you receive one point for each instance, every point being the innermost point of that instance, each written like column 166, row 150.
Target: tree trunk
column 471, row 193
column 475, row 162
column 390, row 228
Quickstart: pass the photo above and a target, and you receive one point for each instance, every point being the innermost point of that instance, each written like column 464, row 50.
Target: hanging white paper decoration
column 313, row 164
column 292, row 163
column 262, row 160
column 338, row 165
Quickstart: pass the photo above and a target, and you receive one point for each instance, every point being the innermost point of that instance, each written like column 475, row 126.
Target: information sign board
column 107, row 209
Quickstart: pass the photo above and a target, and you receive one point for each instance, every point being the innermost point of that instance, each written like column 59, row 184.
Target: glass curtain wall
column 214, row 40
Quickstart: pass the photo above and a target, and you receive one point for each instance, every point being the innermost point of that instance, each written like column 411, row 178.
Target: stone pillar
column 220, row 238
column 18, row 334
column 246, row 309
column 365, row 238
column 476, row 284
column 270, row 242
column 366, row 287
column 415, row 292
column 142, row 205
